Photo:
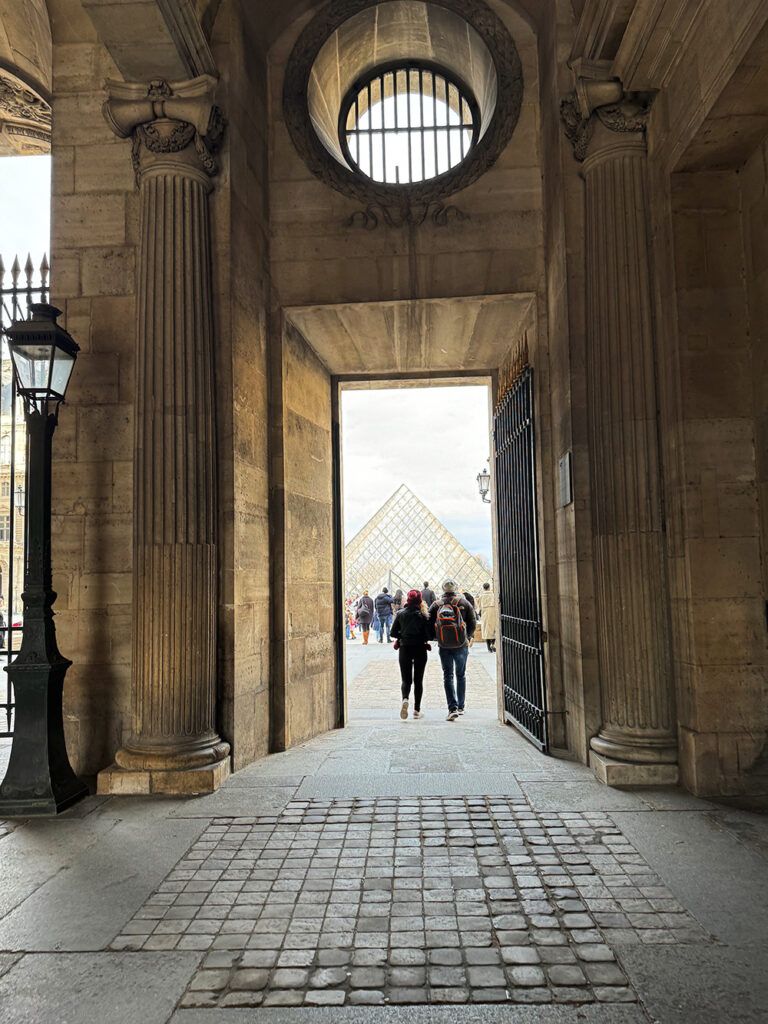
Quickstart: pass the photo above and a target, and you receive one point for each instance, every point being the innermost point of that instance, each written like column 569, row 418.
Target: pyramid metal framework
column 404, row 544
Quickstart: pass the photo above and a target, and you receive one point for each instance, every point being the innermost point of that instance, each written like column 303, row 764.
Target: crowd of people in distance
column 413, row 621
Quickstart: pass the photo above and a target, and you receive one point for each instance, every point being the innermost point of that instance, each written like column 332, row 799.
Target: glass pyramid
column 404, row 544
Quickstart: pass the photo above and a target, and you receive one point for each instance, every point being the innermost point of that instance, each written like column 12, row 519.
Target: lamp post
column 39, row 779
column 484, row 485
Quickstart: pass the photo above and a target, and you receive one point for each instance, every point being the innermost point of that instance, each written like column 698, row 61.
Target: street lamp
column 20, row 500
column 39, row 779
column 484, row 485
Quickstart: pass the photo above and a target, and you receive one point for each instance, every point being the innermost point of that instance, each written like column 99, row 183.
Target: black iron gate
column 24, row 287
column 520, row 624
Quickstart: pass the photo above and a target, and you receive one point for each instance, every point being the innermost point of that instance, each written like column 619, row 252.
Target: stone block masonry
column 409, row 901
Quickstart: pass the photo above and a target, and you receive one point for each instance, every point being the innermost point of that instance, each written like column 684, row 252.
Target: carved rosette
column 175, row 129
column 607, row 129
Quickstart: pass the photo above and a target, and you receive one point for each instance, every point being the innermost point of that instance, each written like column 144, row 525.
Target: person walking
column 488, row 617
column 397, row 602
column 428, row 596
column 412, row 633
column 383, row 605
column 364, row 614
column 453, row 621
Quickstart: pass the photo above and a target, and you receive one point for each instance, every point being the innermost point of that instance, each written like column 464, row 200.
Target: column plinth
column 175, row 559
column 638, row 726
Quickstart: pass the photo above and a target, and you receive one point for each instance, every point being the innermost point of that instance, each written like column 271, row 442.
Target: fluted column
column 174, row 127
column 638, row 724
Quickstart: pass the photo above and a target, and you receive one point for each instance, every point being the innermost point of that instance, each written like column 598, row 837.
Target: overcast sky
column 435, row 440
column 25, row 209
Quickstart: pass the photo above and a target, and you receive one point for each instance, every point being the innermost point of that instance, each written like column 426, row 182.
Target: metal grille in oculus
column 407, row 124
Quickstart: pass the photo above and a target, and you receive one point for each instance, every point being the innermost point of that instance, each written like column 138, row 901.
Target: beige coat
column 487, row 604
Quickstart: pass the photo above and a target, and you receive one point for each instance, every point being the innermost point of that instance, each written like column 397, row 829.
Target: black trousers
column 413, row 661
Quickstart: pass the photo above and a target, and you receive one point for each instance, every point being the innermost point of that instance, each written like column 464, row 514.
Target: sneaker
column 418, row 714
column 461, row 711
column 452, row 716
column 404, row 710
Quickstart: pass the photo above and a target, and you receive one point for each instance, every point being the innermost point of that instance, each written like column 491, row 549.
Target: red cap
column 414, row 597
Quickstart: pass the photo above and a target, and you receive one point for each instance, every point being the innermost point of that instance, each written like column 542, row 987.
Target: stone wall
column 710, row 393
column 571, row 551
column 240, row 215
column 754, row 207
column 94, row 233
column 305, row 670
column 718, row 608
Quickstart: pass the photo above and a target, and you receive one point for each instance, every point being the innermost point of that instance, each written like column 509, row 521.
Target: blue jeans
column 457, row 660
column 384, row 623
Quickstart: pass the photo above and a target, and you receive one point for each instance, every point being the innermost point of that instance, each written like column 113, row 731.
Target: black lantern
column 20, row 500
column 484, row 485
column 39, row 779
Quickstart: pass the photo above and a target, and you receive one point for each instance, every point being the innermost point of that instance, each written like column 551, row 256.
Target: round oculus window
column 406, row 123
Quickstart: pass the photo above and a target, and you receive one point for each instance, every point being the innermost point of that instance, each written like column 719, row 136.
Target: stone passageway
column 389, row 868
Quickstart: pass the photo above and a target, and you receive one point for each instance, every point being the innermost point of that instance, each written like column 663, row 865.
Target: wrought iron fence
column 18, row 289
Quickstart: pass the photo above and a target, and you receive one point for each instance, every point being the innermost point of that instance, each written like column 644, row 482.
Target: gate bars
column 520, row 619
column 15, row 297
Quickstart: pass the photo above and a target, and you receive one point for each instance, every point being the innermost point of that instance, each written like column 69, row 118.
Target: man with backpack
column 453, row 620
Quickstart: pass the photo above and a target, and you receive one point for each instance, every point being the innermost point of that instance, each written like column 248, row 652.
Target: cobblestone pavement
column 407, row 901
column 377, row 687
column 398, row 869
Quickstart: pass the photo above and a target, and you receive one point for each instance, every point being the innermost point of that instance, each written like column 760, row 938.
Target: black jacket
column 364, row 610
column 466, row 609
column 384, row 604
column 412, row 627
column 428, row 596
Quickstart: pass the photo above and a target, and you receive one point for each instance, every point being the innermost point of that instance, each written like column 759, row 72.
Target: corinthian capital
column 174, row 125
column 600, row 107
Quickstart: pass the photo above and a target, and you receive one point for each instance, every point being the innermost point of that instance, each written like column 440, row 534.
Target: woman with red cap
column 412, row 632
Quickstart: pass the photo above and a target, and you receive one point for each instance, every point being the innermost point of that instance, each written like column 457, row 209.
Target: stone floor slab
column 86, row 905
column 580, row 796
column 483, row 1014
column 691, row 984
column 94, row 988
column 236, row 801
column 409, row 784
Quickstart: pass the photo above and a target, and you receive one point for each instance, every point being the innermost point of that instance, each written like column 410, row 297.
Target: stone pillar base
column 117, row 781
column 623, row 775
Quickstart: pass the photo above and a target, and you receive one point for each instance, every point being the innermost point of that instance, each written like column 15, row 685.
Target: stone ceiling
column 444, row 335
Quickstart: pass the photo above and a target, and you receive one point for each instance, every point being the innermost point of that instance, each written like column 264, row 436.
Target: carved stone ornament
column 165, row 118
column 405, row 204
column 405, row 215
column 630, row 115
column 20, row 103
column 577, row 127
column 25, row 118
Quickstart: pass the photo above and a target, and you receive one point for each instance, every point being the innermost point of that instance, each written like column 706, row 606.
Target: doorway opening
column 412, row 517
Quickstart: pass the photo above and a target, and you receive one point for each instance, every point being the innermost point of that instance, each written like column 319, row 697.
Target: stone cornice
column 188, row 35
column 167, row 120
